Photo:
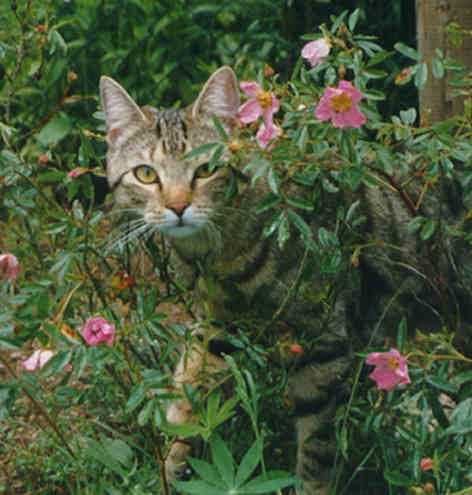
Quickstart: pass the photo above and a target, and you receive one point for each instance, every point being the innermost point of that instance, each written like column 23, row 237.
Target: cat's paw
column 176, row 462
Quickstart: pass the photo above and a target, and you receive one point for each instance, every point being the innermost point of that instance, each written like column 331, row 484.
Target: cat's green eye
column 145, row 174
column 204, row 171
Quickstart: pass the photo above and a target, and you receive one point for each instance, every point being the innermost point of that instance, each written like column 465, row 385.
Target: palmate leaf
column 223, row 459
column 198, row 487
column 248, row 464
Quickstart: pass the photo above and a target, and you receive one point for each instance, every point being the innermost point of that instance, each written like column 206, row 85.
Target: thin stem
column 40, row 407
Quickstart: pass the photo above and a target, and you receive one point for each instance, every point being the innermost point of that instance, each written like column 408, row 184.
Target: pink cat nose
column 178, row 207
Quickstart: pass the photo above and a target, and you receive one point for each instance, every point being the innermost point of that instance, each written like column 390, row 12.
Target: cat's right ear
column 120, row 109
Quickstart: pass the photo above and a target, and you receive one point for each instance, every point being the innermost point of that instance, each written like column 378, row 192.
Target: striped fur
column 218, row 247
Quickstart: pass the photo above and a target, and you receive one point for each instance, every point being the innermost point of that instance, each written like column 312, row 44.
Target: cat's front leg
column 195, row 367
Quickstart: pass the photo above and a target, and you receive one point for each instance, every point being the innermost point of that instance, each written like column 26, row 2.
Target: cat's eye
column 204, row 171
column 145, row 174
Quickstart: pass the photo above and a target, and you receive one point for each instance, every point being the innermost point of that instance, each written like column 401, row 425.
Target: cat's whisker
column 139, row 229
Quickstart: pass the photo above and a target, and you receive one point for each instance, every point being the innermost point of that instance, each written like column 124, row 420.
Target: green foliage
column 99, row 411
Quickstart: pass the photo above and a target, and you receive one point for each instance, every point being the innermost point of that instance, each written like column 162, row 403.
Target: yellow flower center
column 341, row 103
column 264, row 99
column 393, row 363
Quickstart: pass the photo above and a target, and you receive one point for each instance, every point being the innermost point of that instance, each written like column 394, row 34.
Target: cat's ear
column 121, row 111
column 219, row 97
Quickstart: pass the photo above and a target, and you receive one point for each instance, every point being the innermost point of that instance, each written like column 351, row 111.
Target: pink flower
column 296, row 349
column 98, row 330
column 391, row 369
column 266, row 133
column 262, row 104
column 340, row 105
column 9, row 266
column 43, row 159
column 315, row 50
column 427, row 463
column 37, row 360
column 77, row 172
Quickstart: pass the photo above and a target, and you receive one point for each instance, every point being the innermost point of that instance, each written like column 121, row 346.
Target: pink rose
column 427, row 463
column 9, row 266
column 340, row 106
column 37, row 360
column 77, row 172
column 315, row 50
column 262, row 104
column 98, row 330
column 391, row 369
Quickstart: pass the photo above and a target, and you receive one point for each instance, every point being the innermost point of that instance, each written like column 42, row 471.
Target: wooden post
column 432, row 17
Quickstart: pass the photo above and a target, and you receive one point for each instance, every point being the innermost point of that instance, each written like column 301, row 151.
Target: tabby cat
column 238, row 273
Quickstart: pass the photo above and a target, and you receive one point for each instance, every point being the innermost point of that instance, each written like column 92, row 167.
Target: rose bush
column 102, row 406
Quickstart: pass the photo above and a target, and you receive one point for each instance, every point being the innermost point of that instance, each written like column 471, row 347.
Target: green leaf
column 185, row 430
column 402, row 334
column 119, row 450
column 301, row 203
column 199, row 487
column 283, row 232
column 299, row 223
column 461, row 418
column 220, row 128
column 205, row 470
column 146, row 412
column 407, row 51
column 415, row 224
column 96, row 451
column 248, row 464
column 259, row 485
column 441, row 384
column 438, row 68
column 222, row 458
column 272, row 181
column 353, row 18
column 398, row 479
column 55, row 130
column 428, row 229
column 421, row 76
column 138, row 394
column 201, row 150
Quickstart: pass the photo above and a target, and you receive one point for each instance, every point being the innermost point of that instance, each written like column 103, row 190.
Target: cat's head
column 145, row 166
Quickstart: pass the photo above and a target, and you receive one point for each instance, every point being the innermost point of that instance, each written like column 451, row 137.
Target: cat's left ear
column 219, row 97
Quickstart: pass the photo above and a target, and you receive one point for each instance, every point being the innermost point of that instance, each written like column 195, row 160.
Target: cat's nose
column 178, row 207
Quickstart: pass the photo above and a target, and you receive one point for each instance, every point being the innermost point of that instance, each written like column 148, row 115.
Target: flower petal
column 251, row 88
column 250, row 111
